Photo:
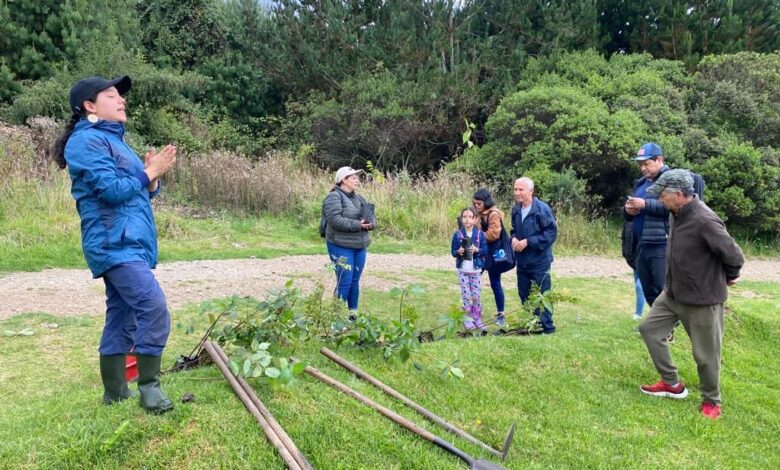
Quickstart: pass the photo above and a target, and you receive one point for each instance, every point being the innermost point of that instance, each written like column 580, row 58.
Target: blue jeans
column 640, row 296
column 136, row 312
column 542, row 278
column 348, row 272
column 498, row 290
column 651, row 269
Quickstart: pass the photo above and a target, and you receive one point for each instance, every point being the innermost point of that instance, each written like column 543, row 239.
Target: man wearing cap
column 651, row 220
column 702, row 261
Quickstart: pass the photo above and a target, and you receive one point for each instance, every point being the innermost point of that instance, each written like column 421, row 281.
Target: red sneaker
column 710, row 410
column 660, row 389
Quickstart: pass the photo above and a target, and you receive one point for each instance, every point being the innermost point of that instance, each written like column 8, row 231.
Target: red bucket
column 131, row 368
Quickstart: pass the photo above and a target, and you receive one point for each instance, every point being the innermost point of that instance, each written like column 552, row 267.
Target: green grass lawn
column 53, row 241
column 574, row 396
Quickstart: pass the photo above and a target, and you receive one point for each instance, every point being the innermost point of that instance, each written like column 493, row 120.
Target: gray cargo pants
column 704, row 325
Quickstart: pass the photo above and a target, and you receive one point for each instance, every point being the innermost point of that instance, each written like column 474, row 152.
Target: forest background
column 562, row 91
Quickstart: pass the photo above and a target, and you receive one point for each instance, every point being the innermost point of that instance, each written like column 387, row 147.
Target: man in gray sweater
column 701, row 261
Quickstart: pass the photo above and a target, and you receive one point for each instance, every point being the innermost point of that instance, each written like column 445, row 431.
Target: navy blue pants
column 651, row 269
column 498, row 290
column 542, row 278
column 137, row 316
column 348, row 272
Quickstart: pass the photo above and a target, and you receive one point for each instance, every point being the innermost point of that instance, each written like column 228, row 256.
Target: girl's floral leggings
column 470, row 293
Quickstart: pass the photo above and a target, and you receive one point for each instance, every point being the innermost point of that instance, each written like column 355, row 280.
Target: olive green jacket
column 700, row 256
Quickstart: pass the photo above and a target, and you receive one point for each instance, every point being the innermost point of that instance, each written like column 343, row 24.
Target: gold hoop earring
column 92, row 118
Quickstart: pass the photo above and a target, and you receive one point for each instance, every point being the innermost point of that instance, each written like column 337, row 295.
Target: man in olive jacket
column 650, row 220
column 702, row 260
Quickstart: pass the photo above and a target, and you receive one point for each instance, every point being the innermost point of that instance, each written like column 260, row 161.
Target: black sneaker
column 352, row 317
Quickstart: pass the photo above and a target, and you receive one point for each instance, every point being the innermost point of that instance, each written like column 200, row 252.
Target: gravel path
column 74, row 292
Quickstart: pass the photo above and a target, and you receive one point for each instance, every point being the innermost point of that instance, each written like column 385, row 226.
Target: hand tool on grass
column 418, row 408
column 474, row 464
column 196, row 357
column 293, row 457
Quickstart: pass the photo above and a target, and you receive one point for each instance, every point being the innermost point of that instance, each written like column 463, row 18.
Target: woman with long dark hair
column 112, row 188
column 491, row 223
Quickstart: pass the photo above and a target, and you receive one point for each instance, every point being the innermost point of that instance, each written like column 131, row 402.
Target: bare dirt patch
column 74, row 292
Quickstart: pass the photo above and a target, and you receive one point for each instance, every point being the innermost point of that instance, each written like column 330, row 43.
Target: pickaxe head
column 508, row 442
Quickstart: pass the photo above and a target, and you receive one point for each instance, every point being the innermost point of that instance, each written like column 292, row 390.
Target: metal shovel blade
column 485, row 465
column 474, row 464
column 508, row 441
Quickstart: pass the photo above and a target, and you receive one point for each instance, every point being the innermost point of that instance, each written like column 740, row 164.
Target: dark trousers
column 651, row 269
column 498, row 290
column 541, row 277
column 136, row 312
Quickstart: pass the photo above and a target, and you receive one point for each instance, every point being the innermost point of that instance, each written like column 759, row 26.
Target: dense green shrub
column 560, row 127
column 739, row 93
column 583, row 112
column 377, row 117
column 653, row 89
column 743, row 187
column 162, row 126
column 564, row 191
column 41, row 98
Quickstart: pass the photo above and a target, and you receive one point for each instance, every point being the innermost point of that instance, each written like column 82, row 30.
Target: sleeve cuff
column 143, row 178
column 156, row 191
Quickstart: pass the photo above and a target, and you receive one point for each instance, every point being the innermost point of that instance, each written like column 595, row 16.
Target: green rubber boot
column 112, row 372
column 152, row 397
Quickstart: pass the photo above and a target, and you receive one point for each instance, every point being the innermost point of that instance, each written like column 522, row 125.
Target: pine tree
column 39, row 35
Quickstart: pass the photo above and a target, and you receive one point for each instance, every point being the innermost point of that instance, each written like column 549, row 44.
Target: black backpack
column 628, row 243
column 323, row 224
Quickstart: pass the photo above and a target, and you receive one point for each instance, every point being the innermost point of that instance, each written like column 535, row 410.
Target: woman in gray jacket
column 348, row 219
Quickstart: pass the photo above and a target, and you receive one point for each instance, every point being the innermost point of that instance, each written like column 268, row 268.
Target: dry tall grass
column 275, row 184
column 25, row 151
column 419, row 208
column 423, row 207
column 35, row 201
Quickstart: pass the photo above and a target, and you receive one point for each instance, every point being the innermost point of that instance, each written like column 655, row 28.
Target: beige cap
column 345, row 172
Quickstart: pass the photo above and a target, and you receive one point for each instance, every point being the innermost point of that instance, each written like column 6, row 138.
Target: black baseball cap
column 87, row 88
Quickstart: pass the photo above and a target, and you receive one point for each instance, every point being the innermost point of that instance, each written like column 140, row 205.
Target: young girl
column 469, row 247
